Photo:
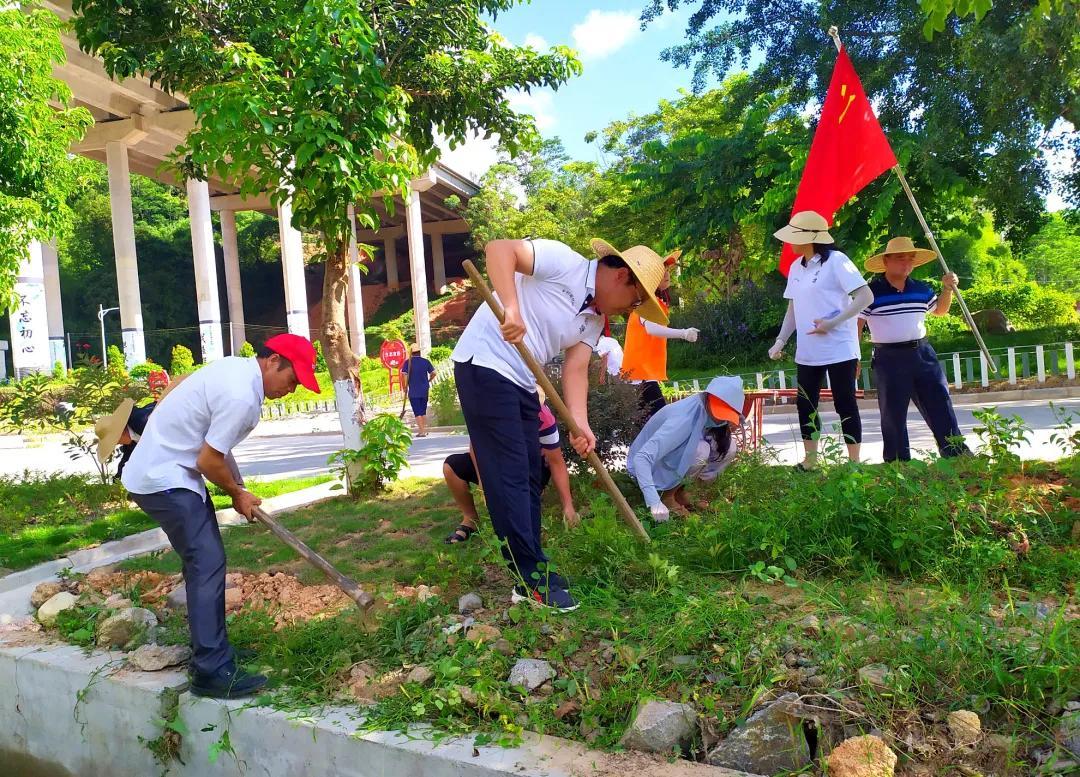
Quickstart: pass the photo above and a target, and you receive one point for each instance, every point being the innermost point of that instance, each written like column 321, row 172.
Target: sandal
column 461, row 534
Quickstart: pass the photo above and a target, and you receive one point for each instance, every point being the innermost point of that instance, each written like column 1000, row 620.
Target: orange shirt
column 644, row 356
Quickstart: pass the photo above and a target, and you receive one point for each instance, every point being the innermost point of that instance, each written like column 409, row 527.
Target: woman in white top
column 825, row 292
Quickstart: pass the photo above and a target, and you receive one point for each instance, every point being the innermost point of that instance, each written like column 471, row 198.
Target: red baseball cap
column 301, row 354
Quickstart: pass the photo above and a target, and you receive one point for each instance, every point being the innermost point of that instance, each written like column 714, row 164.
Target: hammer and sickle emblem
column 850, row 100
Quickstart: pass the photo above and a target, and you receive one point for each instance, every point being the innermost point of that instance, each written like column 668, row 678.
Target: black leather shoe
column 226, row 683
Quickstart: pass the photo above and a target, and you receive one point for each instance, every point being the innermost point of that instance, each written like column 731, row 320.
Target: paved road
column 282, row 450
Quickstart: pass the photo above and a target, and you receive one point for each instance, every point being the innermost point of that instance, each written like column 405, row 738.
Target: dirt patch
column 288, row 600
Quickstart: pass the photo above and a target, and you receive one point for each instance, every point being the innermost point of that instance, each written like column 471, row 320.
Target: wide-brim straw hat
column 900, row 245
column 109, row 429
column 647, row 267
column 670, row 259
column 804, row 228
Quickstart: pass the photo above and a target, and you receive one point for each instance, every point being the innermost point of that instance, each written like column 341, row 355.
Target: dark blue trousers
column 505, row 435
column 912, row 374
column 191, row 526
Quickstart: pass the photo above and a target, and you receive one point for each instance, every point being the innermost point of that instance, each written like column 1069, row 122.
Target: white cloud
column 605, row 32
column 539, row 103
column 534, row 41
column 472, row 158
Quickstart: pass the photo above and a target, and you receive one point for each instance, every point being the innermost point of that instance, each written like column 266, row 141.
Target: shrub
column 29, row 407
column 117, row 364
column 945, row 327
column 182, row 360
column 320, row 360
column 247, row 350
column 444, row 400
column 615, row 417
column 440, row 353
column 385, row 451
column 142, row 371
column 1027, row 305
column 58, row 370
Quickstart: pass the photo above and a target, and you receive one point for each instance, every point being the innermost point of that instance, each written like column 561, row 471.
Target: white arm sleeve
column 666, row 332
column 860, row 301
column 788, row 327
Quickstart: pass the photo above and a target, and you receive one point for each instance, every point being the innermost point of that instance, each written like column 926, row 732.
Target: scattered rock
column 999, row 743
column 530, row 673
column 865, row 756
column 54, row 605
column 810, row 626
column 117, row 602
column 97, row 578
column 421, row 675
column 234, row 580
column 482, row 632
column 568, row 708
column 43, row 593
column 423, row 593
column 503, row 647
column 876, row 675
column 234, row 599
column 177, row 599
column 468, row 696
column 470, row 602
column 154, row 658
column 964, row 726
column 771, row 741
column 660, row 726
column 608, row 655
column 1069, row 730
column 126, row 627
column 815, row 682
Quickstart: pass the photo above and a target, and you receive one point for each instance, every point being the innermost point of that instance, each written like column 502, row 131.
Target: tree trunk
column 339, row 356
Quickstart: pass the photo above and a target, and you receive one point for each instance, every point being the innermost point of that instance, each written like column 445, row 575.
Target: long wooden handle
column 625, row 512
column 362, row 598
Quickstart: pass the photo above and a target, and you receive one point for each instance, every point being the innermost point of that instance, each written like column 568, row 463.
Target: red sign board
column 393, row 354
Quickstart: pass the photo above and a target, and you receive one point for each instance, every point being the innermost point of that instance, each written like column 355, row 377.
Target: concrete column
column 127, row 265
column 356, row 298
column 206, row 283
column 292, row 268
column 232, row 281
column 415, row 231
column 51, row 265
column 390, row 252
column 439, row 262
column 29, row 317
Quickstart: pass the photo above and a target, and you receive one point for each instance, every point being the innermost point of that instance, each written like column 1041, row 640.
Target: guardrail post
column 1040, row 363
column 957, row 382
column 1012, row 366
column 1070, row 362
column 984, row 370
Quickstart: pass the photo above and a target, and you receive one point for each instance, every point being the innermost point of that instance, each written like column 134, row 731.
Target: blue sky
column 622, row 71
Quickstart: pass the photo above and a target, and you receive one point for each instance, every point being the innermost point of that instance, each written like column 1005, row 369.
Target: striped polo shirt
column 898, row 316
column 549, row 429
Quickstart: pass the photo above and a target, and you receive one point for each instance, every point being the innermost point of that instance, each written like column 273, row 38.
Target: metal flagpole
column 835, row 35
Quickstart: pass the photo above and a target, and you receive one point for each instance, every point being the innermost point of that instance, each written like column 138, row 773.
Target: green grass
column 48, row 516
column 911, row 566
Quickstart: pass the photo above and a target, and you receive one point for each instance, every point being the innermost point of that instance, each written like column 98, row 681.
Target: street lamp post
column 102, row 312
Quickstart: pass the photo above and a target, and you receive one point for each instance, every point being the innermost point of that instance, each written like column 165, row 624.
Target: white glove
column 660, row 513
column 777, row 351
column 690, row 335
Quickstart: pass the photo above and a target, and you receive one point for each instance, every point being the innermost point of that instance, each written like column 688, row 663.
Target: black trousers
column 651, row 399
column 906, row 374
column 191, row 525
column 504, row 430
column 842, row 380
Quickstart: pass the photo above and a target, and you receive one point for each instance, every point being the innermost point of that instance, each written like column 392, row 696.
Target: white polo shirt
column 218, row 405
column 609, row 347
column 555, row 306
column 823, row 291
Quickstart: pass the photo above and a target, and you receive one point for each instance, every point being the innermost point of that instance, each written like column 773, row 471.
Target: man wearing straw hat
column 555, row 301
column 905, row 365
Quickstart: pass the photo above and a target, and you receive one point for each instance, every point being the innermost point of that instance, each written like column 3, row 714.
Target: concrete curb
column 966, row 399
column 15, row 589
column 80, row 713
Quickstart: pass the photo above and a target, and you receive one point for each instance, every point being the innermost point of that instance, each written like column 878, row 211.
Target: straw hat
column 109, row 429
column 414, row 348
column 900, row 245
column 648, row 267
column 804, row 228
column 670, row 259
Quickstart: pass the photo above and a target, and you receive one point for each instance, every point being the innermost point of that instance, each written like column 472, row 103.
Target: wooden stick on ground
column 362, row 598
column 537, row 370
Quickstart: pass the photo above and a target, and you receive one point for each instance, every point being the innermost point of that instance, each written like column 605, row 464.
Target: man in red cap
column 187, row 439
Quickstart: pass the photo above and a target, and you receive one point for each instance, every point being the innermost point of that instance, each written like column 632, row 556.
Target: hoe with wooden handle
column 560, row 407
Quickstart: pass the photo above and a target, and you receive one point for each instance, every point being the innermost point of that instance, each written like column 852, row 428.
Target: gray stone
column 810, row 625
column 1069, row 732
column 421, row 675
column 660, row 726
column 177, row 599
column 530, row 673
column 52, row 607
column 470, row 603
column 126, row 627
column 117, row 602
column 771, row 741
column 503, row 647
column 43, row 593
column 964, row 726
column 154, row 658
column 877, row 675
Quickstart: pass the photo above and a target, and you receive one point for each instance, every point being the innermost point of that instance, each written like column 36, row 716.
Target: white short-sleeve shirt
column 555, row 305
column 218, row 405
column 822, row 290
column 609, row 347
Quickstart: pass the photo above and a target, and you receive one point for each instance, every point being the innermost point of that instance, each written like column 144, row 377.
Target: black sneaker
column 555, row 597
column 226, row 683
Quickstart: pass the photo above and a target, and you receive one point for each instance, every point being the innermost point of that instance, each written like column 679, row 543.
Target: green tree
column 35, row 173
column 966, row 112
column 1052, row 255
column 329, row 100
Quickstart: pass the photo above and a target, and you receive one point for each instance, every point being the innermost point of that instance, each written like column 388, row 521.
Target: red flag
column 849, row 150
